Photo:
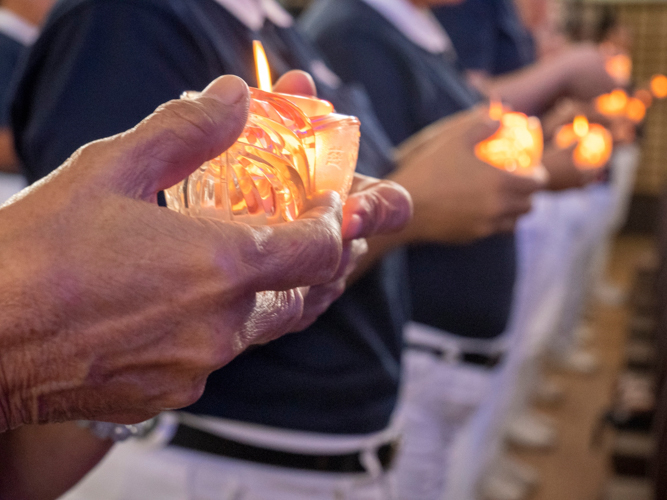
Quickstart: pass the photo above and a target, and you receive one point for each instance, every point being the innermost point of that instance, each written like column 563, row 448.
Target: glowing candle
column 264, row 81
column 619, row 67
column 659, row 86
column 516, row 146
column 635, row 109
column 612, row 104
column 292, row 146
column 594, row 142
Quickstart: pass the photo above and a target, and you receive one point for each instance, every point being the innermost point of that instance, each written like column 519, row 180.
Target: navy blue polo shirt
column 98, row 68
column 466, row 290
column 10, row 51
column 488, row 35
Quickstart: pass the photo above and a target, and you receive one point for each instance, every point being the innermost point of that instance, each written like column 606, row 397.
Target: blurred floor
column 574, row 470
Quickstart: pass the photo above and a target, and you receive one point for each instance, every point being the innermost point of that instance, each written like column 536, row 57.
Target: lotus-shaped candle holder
column 290, row 148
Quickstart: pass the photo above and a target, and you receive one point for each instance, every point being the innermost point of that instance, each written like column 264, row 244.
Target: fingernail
column 227, row 89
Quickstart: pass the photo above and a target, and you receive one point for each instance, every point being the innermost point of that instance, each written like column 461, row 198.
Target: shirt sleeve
column 360, row 57
column 96, row 71
column 471, row 27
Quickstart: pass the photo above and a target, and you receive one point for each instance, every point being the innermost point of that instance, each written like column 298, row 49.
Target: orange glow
column 612, row 104
column 580, row 126
column 516, row 146
column 659, row 86
column 262, row 64
column 594, row 142
column 495, row 110
column 594, row 149
column 619, row 67
column 635, row 110
column 644, row 96
column 565, row 136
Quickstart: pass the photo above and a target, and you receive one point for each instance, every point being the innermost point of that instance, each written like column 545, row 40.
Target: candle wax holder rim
column 313, row 101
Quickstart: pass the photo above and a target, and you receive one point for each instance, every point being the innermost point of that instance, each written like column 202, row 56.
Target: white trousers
column 10, row 184
column 437, row 401
column 149, row 470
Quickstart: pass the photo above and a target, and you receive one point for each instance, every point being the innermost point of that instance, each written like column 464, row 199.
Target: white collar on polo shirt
column 17, row 28
column 419, row 25
column 253, row 13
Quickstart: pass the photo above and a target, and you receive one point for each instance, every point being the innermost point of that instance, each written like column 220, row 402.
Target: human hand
column 566, row 110
column 584, row 72
column 116, row 309
column 563, row 173
column 373, row 207
column 457, row 197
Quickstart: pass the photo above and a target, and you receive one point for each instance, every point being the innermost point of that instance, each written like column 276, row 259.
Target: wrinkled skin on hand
column 116, row 309
column 457, row 197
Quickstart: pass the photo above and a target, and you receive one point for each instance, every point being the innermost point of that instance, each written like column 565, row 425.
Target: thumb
column 179, row 136
column 481, row 127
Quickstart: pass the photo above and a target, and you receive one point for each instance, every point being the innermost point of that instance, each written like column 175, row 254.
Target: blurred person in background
column 19, row 26
column 309, row 415
column 461, row 295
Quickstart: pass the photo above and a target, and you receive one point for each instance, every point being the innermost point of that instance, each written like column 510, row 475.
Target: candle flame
column 580, row 126
column 595, row 148
column 619, row 67
column 659, row 86
column 495, row 110
column 618, row 99
column 262, row 64
column 636, row 110
column 612, row 104
column 516, row 146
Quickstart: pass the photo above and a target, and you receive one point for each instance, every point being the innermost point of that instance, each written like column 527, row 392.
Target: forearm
column 533, row 89
column 41, row 361
column 43, row 462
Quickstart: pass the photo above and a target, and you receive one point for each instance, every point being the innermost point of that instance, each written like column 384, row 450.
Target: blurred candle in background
column 594, row 142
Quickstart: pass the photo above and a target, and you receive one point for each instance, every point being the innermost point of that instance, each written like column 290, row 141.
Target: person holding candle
column 309, row 414
column 198, row 302
column 498, row 56
column 483, row 40
column 401, row 55
column 461, row 295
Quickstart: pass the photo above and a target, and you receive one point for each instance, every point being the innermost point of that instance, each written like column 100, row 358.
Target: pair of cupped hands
column 115, row 309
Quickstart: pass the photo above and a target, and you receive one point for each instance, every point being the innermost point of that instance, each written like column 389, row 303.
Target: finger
column 506, row 225
column 480, row 129
column 275, row 314
column 296, row 82
column 380, row 208
column 517, row 206
column 319, row 299
column 353, row 250
column 304, row 252
column 520, row 185
column 178, row 137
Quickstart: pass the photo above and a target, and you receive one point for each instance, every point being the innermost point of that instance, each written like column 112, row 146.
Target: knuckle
column 185, row 394
column 288, row 314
